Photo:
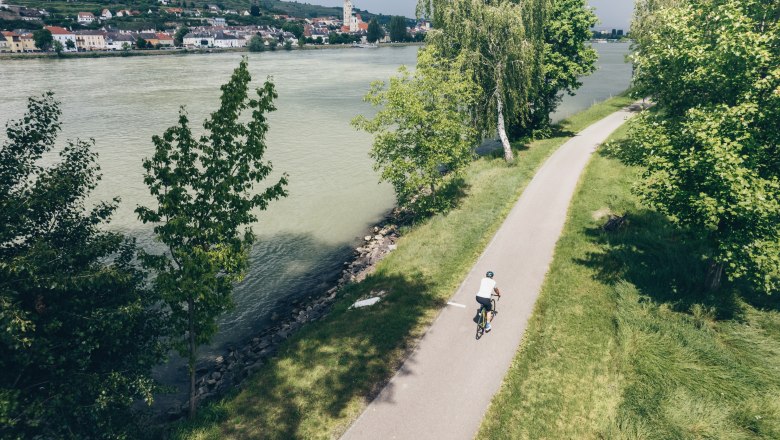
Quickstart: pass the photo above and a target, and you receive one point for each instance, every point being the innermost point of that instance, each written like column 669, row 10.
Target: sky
column 612, row 13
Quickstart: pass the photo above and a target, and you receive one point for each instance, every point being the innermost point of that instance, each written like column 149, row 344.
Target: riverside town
column 169, row 25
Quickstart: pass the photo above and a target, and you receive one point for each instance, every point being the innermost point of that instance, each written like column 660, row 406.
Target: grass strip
column 318, row 383
column 625, row 343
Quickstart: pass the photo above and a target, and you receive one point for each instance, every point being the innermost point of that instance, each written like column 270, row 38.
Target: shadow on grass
column 318, row 374
column 667, row 265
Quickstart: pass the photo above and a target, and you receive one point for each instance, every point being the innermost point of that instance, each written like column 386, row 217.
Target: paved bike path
column 443, row 390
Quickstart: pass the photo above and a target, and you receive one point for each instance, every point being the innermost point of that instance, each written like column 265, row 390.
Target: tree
column 58, row 48
column 140, row 43
column 422, row 136
column 256, row 44
column 566, row 59
column 273, row 43
column 79, row 332
column 254, row 11
column 294, row 28
column 206, row 197
column 70, row 44
column 43, row 39
column 503, row 46
column 178, row 36
column 398, row 32
column 288, row 45
column 375, row 32
column 711, row 148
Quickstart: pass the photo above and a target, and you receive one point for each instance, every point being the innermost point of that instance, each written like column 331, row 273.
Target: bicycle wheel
column 481, row 322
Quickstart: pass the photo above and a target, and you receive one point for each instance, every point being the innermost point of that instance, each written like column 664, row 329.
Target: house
column 227, row 41
column 123, row 13
column 91, row 40
column 175, row 11
column 149, row 37
column 86, row 18
column 117, row 41
column 164, row 39
column 217, row 21
column 63, row 36
column 106, row 15
column 13, row 42
column 163, row 2
column 214, row 8
column 195, row 39
column 3, row 44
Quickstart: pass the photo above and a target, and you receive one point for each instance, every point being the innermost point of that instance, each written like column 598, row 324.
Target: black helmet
column 489, row 274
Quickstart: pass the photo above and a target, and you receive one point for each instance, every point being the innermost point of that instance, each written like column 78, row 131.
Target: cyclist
column 487, row 287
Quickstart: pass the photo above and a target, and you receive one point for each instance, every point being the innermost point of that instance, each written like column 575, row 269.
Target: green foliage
column 711, row 149
column 58, row 48
column 140, row 43
column 422, row 136
column 70, row 44
column 503, row 45
column 567, row 58
column 398, row 33
column 79, row 334
column 206, row 197
column 178, row 36
column 288, row 45
column 294, row 28
column 336, row 38
column 256, row 44
column 254, row 11
column 375, row 32
column 43, row 39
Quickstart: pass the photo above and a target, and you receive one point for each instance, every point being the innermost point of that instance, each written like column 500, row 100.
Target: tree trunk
column 714, row 275
column 508, row 156
column 191, row 313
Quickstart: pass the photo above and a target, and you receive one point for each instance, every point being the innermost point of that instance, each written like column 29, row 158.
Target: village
column 215, row 29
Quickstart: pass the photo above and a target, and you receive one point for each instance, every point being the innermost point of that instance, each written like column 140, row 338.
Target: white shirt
column 486, row 287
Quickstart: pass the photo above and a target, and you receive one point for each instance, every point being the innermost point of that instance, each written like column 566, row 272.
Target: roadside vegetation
column 626, row 341
column 322, row 377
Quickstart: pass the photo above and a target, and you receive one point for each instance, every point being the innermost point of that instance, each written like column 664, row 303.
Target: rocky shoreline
column 238, row 363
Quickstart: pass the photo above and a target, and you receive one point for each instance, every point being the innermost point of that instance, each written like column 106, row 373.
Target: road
column 443, row 389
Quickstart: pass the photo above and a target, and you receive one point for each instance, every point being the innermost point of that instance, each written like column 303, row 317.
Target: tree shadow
column 667, row 265
column 493, row 148
column 320, row 373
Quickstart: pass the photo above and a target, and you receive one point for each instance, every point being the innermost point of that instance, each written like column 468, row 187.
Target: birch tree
column 502, row 43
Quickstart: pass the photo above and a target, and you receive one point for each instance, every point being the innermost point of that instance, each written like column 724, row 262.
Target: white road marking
column 456, row 304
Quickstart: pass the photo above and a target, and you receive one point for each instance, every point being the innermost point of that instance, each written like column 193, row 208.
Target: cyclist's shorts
column 485, row 302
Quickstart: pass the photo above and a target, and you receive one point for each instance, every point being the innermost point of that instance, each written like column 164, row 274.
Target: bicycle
column 482, row 315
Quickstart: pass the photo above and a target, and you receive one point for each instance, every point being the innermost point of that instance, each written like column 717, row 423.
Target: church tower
column 347, row 12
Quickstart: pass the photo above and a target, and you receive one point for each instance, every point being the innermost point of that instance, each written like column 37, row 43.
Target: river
column 303, row 239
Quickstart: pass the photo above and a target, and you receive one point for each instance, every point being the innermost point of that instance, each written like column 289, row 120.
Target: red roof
column 162, row 36
column 56, row 30
column 363, row 26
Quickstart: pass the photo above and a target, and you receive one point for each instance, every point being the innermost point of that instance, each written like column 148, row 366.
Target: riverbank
column 625, row 343
column 320, row 379
column 163, row 52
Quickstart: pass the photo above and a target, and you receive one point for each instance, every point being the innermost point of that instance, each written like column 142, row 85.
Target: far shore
column 162, row 52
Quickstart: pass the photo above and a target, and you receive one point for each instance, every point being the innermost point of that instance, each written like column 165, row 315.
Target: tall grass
column 323, row 376
column 625, row 343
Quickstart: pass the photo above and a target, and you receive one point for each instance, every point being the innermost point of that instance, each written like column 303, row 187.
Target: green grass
column 624, row 343
column 321, row 379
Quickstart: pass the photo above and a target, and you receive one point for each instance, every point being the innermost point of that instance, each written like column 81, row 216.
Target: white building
column 63, row 36
column 86, row 18
column 227, row 41
column 198, row 40
column 106, row 15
